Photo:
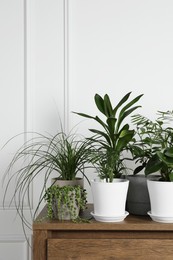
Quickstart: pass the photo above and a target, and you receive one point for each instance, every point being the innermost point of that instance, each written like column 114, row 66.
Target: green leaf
column 101, row 134
column 165, row 159
column 138, row 169
column 123, row 133
column 132, row 102
column 128, row 112
column 153, row 165
column 122, row 101
column 137, row 151
column 124, row 112
column 171, row 176
column 108, row 107
column 124, row 140
column 100, row 103
column 169, row 152
column 101, row 122
column 84, row 115
column 111, row 124
column 124, row 128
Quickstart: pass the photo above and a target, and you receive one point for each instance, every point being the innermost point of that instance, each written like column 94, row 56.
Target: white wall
column 31, row 95
column 56, row 54
column 83, row 47
column 120, row 46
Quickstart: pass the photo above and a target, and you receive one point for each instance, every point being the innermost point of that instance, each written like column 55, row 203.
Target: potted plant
column 109, row 190
column 65, row 202
column 156, row 142
column 46, row 155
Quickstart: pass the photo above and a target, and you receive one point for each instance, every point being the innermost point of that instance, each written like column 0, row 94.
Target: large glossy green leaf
column 138, row 169
column 111, row 124
column 129, row 111
column 122, row 101
column 125, row 127
column 108, row 106
column 132, row 102
column 124, row 112
column 122, row 116
column 124, row 132
column 153, row 165
column 165, row 159
column 124, row 139
column 100, row 103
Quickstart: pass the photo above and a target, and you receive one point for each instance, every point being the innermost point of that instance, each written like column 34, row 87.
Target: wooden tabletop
column 132, row 222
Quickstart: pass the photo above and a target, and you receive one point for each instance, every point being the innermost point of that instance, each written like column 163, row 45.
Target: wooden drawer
column 109, row 249
column 135, row 238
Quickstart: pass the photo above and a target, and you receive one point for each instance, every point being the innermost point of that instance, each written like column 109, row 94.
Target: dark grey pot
column 138, row 202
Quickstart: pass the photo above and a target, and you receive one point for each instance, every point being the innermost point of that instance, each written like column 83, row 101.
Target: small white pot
column 109, row 198
column 161, row 195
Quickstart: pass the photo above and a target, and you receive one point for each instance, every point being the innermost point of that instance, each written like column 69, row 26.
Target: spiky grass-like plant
column 67, row 155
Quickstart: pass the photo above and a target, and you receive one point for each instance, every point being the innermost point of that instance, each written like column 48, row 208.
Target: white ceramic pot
column 109, row 198
column 161, row 195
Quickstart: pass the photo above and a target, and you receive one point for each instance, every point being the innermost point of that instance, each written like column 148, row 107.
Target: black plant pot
column 138, row 201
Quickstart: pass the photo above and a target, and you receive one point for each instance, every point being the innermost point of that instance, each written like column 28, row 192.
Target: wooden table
column 134, row 238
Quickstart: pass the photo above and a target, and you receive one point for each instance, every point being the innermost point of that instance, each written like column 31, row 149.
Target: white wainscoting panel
column 14, row 248
column 15, row 88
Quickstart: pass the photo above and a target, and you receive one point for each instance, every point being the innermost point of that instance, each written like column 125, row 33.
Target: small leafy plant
column 153, row 144
column 113, row 138
column 65, row 202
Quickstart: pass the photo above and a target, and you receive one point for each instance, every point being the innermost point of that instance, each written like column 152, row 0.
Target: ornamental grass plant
column 62, row 154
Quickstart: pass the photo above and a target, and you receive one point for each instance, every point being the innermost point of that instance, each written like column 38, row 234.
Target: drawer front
column 109, row 249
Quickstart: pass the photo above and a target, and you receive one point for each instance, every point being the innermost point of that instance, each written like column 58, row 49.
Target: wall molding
column 28, row 92
column 27, row 87
column 66, row 63
column 18, row 241
column 28, row 95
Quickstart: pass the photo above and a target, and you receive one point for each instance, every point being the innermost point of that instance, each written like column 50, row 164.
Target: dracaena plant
column 153, row 145
column 113, row 138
